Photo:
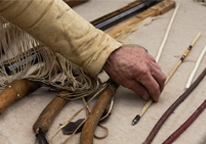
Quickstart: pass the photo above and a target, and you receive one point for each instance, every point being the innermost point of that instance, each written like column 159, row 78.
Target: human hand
column 134, row 68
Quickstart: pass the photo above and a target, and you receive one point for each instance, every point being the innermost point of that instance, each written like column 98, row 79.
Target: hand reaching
column 134, row 68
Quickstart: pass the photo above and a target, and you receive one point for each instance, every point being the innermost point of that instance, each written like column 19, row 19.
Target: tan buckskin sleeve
column 56, row 25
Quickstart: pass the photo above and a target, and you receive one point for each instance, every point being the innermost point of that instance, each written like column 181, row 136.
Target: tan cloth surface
column 17, row 121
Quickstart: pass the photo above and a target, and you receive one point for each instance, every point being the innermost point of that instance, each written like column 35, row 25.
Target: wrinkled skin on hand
column 134, row 68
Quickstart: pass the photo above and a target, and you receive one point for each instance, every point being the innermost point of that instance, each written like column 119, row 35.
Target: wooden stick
column 144, row 109
column 166, row 34
column 183, row 57
column 141, row 113
column 99, row 20
column 155, row 10
column 124, row 12
column 173, row 71
column 47, row 116
column 186, row 124
column 195, row 68
column 173, row 107
column 14, row 91
column 87, row 133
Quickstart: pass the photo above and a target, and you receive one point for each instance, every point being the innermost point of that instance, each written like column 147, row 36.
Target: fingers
column 152, row 86
column 151, row 58
column 138, row 88
column 144, row 76
column 158, row 75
